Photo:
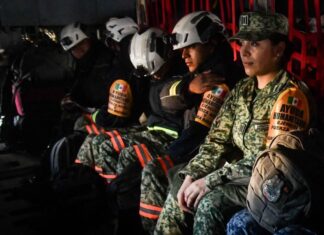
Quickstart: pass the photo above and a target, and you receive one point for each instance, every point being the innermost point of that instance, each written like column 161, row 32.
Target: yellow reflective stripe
column 94, row 116
column 173, row 88
column 169, row 132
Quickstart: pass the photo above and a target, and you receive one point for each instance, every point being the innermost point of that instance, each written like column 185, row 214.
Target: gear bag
column 64, row 152
column 287, row 179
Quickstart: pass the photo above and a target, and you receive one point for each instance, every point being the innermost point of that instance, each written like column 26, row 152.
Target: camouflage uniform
column 243, row 223
column 242, row 123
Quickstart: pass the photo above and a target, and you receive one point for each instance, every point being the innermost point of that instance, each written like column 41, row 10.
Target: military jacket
column 242, row 124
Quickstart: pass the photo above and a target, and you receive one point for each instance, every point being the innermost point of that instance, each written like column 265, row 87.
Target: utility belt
column 174, row 134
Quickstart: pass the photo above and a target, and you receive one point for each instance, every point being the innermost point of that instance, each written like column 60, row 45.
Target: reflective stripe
column 149, row 211
column 173, row 88
column 89, row 130
column 143, row 154
column 94, row 116
column 119, row 138
column 95, row 129
column 116, row 140
column 166, row 163
column 108, row 176
column 167, row 131
column 98, row 169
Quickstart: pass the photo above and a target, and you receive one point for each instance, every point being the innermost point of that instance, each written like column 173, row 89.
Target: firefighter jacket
column 200, row 110
column 243, row 124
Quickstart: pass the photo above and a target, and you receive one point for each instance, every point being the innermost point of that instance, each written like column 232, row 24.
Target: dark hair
column 275, row 39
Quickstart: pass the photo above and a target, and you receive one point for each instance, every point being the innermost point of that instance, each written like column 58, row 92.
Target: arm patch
column 210, row 104
column 290, row 112
column 120, row 99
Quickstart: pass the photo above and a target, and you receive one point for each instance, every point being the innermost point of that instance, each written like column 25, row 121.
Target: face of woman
column 260, row 57
column 196, row 54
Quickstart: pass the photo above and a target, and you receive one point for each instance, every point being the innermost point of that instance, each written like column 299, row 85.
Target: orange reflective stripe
column 139, row 154
column 168, row 161
column 98, row 169
column 108, row 176
column 113, row 141
column 95, row 129
column 148, row 215
column 89, row 130
column 77, row 161
column 111, row 135
column 150, row 207
column 121, row 142
column 147, row 153
column 116, row 140
column 163, row 165
column 149, row 211
column 88, row 117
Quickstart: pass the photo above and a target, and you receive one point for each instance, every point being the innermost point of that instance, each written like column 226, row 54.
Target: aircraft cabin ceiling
column 61, row 12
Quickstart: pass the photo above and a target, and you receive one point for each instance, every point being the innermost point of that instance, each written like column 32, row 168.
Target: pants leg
column 217, row 207
column 85, row 154
column 154, row 190
column 172, row 219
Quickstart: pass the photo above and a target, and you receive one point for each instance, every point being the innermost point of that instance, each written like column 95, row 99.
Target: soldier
column 266, row 103
column 204, row 48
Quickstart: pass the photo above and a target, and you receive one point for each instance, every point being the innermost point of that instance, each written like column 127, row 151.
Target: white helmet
column 148, row 51
column 71, row 35
column 118, row 28
column 196, row 27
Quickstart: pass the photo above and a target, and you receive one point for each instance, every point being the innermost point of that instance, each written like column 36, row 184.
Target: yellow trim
column 169, row 132
column 173, row 88
column 94, row 116
column 202, row 122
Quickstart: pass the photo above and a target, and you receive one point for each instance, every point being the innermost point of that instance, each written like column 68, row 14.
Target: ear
column 279, row 49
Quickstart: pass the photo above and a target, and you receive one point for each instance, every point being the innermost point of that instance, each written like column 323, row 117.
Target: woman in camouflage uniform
column 269, row 101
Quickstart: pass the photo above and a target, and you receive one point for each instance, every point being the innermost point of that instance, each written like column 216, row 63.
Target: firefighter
column 209, row 187
column 208, row 56
column 127, row 95
column 93, row 64
column 124, row 91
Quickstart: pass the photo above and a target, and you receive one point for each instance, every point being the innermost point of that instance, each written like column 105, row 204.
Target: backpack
column 64, row 152
column 286, row 182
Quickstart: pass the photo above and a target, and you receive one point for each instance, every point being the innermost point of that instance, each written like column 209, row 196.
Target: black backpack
column 287, row 180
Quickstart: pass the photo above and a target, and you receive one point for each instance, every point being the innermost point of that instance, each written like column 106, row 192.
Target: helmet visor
column 66, row 41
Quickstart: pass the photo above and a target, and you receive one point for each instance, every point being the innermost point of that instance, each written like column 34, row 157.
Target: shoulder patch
column 210, row 104
column 290, row 112
column 120, row 99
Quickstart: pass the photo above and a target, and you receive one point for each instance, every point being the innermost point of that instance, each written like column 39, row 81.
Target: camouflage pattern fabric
column 242, row 121
column 256, row 26
column 90, row 148
column 113, row 163
column 242, row 223
column 154, row 179
column 211, row 215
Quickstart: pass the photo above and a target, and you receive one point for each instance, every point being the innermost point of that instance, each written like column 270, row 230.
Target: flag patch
column 220, row 92
column 294, row 101
column 120, row 87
